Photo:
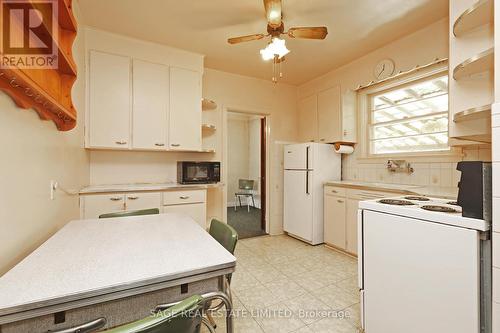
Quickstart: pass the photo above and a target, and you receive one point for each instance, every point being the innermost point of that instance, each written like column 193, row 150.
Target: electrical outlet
column 53, row 188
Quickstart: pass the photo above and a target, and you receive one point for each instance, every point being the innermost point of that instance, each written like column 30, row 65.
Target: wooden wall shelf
column 480, row 62
column 48, row 91
column 480, row 13
column 481, row 112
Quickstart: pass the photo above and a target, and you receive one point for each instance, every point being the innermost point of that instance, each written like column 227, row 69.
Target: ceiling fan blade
column 308, row 32
column 242, row 39
column 273, row 13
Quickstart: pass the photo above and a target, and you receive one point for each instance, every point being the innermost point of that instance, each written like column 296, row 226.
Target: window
column 411, row 118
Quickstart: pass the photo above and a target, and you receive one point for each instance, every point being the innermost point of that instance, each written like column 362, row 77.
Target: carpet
column 247, row 224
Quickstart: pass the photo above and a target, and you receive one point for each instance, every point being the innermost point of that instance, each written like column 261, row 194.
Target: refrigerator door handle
column 307, row 157
column 307, row 182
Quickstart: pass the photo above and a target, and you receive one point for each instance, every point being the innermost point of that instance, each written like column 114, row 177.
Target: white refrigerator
column 307, row 166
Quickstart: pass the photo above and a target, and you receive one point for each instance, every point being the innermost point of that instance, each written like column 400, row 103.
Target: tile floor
column 284, row 285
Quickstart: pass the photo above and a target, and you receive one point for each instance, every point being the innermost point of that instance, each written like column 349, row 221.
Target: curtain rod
column 402, row 73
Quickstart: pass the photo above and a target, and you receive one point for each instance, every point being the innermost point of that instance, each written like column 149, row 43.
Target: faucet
column 399, row 166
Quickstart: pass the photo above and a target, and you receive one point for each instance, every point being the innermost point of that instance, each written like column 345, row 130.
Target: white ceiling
column 355, row 28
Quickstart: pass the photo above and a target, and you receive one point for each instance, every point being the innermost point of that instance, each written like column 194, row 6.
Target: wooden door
column 95, row 205
column 308, row 119
column 352, row 226
column 329, row 115
column 185, row 110
column 335, row 221
column 150, row 105
column 109, row 101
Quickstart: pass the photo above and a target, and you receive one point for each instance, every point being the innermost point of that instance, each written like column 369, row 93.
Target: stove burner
column 453, row 203
column 396, row 202
column 417, row 198
column 441, row 209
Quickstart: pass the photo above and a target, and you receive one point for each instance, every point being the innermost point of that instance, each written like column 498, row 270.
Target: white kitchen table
column 119, row 268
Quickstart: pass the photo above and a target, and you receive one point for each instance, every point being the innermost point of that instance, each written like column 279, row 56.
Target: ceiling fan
column 276, row 49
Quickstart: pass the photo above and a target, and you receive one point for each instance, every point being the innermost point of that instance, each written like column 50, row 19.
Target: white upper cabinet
column 150, row 105
column 109, row 101
column 185, row 110
column 308, row 119
column 328, row 117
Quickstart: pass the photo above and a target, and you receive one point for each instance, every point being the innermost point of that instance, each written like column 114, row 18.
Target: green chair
column 227, row 237
column 185, row 316
column 151, row 211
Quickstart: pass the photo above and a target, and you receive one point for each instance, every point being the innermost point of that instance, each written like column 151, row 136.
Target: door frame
column 267, row 177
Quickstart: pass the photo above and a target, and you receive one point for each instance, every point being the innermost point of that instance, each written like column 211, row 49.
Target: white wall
column 35, row 152
column 419, row 48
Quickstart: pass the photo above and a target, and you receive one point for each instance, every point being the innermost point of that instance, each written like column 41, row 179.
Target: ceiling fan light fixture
column 277, row 48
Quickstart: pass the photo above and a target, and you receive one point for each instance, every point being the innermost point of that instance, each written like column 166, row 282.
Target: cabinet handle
column 132, row 198
column 333, row 191
column 184, row 197
column 115, row 198
column 345, row 132
column 321, row 139
column 340, row 201
column 121, row 142
column 175, row 145
column 159, row 144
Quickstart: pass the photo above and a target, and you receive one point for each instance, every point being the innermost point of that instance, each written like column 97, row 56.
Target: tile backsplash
column 432, row 174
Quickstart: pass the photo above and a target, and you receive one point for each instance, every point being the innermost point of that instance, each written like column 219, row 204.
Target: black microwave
column 198, row 172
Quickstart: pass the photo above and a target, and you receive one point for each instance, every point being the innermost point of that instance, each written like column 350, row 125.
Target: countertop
column 440, row 192
column 88, row 258
column 138, row 187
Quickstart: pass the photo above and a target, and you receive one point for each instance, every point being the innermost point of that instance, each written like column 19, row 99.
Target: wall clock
column 384, row 69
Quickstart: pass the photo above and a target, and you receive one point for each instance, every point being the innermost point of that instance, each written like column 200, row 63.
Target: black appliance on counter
column 475, row 189
column 189, row 172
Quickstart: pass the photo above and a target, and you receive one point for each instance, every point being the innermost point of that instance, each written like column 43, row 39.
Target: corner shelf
column 207, row 104
column 481, row 112
column 478, row 63
column 480, row 13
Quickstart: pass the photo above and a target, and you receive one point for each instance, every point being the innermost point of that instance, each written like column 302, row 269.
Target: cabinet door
column 308, row 119
column 196, row 211
column 135, row 201
column 329, row 115
column 185, row 110
column 352, row 226
column 150, row 106
column 95, row 205
column 335, row 221
column 109, row 101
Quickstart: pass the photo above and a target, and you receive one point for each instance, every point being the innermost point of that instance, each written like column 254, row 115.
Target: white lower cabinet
column 341, row 215
column 334, row 220
column 94, row 205
column 189, row 202
column 196, row 211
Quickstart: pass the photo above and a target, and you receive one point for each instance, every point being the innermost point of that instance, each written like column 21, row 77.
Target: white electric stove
column 423, row 267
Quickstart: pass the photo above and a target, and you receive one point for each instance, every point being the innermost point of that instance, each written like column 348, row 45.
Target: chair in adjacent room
column 150, row 211
column 245, row 187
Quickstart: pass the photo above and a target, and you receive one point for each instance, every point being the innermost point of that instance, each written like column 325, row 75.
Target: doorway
column 246, row 173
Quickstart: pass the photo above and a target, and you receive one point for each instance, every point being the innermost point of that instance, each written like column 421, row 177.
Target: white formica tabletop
column 88, row 258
